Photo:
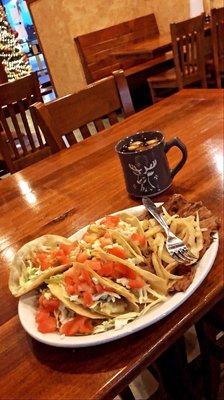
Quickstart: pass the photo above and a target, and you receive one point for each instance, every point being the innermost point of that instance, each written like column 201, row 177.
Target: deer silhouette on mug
column 144, row 172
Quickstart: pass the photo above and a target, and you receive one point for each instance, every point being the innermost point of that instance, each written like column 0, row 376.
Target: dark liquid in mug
column 139, row 145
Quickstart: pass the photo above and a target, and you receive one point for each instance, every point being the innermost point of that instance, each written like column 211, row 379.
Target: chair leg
column 210, row 365
column 173, row 370
column 152, row 92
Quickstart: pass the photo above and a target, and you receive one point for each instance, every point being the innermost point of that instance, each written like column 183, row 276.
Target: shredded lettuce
column 54, row 279
column 115, row 323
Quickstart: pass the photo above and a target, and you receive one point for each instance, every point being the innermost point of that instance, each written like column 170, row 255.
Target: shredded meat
column 144, row 215
column 147, row 265
column 177, row 204
column 182, row 284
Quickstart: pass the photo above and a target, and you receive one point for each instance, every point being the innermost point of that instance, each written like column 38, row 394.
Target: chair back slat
column 22, row 112
column 96, row 48
column 70, row 137
column 21, row 140
column 100, row 100
column 9, row 138
column 85, row 131
column 14, row 120
column 217, row 19
column 188, row 48
column 99, row 125
column 113, row 118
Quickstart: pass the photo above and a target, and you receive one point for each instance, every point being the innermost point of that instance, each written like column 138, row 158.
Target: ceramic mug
column 147, row 172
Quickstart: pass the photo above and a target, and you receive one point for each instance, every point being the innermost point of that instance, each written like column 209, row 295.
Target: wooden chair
column 18, row 145
column 188, row 50
column 62, row 116
column 211, row 341
column 217, row 20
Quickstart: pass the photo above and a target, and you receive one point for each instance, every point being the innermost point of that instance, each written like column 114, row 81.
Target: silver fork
column 175, row 246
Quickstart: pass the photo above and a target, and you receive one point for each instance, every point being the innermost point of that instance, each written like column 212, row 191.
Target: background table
column 68, row 190
column 153, row 47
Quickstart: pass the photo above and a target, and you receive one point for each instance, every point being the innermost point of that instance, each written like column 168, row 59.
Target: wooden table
column 67, row 191
column 149, row 48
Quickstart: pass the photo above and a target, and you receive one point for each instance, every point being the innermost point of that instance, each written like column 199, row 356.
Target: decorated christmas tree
column 14, row 61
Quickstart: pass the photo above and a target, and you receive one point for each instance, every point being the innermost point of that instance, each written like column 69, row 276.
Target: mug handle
column 176, row 142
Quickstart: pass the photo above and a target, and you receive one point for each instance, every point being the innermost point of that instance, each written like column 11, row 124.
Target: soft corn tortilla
column 18, row 267
column 129, row 297
column 157, row 283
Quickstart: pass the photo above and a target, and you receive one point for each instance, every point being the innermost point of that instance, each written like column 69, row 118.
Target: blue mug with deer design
column 144, row 162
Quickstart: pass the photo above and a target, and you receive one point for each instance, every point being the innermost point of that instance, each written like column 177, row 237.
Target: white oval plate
column 27, row 310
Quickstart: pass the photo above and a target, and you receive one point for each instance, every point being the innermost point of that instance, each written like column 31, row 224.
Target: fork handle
column 150, row 206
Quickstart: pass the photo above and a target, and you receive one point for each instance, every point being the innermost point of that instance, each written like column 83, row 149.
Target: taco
column 55, row 315
column 38, row 260
column 130, row 228
column 82, row 286
column 98, row 236
column 143, row 284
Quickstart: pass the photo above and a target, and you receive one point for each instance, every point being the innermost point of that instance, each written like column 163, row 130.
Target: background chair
column 211, row 341
column 217, row 21
column 188, row 50
column 21, row 142
column 97, row 104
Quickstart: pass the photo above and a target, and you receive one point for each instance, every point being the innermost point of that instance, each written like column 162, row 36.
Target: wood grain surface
column 74, row 187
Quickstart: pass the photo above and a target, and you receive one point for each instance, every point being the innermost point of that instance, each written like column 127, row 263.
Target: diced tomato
column 87, row 299
column 77, row 325
column 85, row 325
column 96, row 265
column 105, row 241
column 137, row 283
column 66, row 248
column 84, row 287
column 48, row 325
column 44, row 265
column 71, row 289
column 42, row 259
column 84, row 276
column 45, row 322
column 122, row 271
column 107, row 269
column 118, row 252
column 42, row 314
column 99, row 288
column 138, row 239
column 68, row 279
column 81, row 257
column 111, row 221
column 42, row 256
column 49, row 304
column 62, row 259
